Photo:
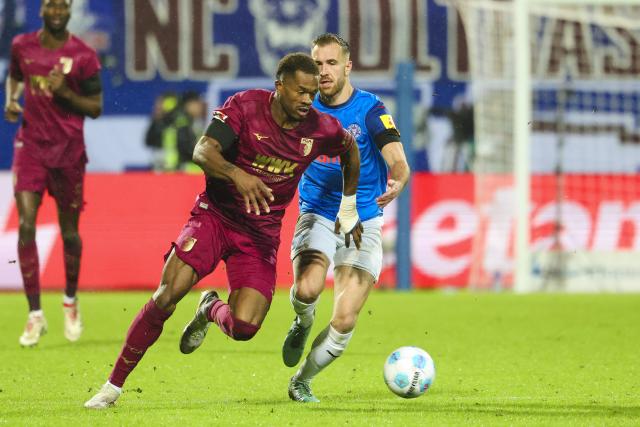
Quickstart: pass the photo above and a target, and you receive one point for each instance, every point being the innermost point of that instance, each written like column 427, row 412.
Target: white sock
column 304, row 311
column 115, row 387
column 68, row 300
column 326, row 348
column 34, row 313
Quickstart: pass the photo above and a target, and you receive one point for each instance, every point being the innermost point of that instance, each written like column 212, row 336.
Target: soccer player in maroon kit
column 253, row 154
column 60, row 78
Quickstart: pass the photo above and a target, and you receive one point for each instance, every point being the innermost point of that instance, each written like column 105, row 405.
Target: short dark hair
column 328, row 38
column 297, row 61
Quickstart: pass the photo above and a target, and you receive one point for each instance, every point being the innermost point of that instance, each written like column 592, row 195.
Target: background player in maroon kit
column 60, row 78
column 253, row 154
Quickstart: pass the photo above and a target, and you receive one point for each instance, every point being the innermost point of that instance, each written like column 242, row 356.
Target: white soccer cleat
column 106, row 397
column 72, row 322
column 36, row 327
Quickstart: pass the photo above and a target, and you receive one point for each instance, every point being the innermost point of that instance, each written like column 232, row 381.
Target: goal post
column 555, row 85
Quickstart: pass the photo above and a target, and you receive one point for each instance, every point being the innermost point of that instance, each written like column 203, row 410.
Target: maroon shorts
column 65, row 184
column 207, row 238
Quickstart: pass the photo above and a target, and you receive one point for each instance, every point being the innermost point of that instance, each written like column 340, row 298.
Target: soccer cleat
column 36, row 327
column 300, row 391
column 293, row 345
column 72, row 322
column 195, row 331
column 106, row 397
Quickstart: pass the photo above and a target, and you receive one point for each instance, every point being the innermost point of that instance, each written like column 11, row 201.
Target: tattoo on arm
column 228, row 167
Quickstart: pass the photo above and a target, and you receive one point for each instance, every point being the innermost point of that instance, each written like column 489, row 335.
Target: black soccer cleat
column 293, row 345
column 195, row 331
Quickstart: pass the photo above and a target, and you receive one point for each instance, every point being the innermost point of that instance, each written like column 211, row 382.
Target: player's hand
column 12, row 111
column 57, row 83
column 355, row 233
column 254, row 192
column 393, row 190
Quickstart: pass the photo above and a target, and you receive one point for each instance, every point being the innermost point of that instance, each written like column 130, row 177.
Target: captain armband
column 385, row 137
column 222, row 133
column 91, row 86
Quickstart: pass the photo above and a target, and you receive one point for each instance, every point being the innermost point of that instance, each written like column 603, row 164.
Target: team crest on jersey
column 355, row 130
column 218, row 115
column 306, row 144
column 188, row 244
column 67, row 63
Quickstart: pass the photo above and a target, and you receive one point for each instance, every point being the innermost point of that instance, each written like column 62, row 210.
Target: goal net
column 556, row 90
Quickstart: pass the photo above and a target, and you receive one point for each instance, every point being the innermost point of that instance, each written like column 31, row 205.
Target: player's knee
column 71, row 239
column 344, row 323
column 243, row 331
column 164, row 299
column 27, row 231
column 305, row 292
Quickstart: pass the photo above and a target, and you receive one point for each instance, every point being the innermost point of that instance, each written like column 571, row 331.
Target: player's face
column 55, row 14
column 296, row 94
column 334, row 67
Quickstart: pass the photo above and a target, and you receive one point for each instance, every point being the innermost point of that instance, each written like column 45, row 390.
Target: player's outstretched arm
column 88, row 105
column 393, row 154
column 13, row 91
column 348, row 220
column 208, row 155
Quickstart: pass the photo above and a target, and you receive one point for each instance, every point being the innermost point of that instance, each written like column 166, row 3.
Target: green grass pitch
column 501, row 359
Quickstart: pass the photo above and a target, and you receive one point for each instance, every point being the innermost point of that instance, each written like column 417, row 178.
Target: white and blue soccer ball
column 409, row 372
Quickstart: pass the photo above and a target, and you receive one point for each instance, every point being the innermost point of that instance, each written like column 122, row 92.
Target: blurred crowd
column 176, row 123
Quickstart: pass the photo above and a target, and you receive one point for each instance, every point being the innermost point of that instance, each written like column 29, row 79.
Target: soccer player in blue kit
column 383, row 174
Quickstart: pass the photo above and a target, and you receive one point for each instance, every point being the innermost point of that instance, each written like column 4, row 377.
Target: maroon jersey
column 277, row 156
column 49, row 130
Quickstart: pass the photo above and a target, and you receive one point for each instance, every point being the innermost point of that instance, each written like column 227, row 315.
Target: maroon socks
column 30, row 268
column 237, row 329
column 143, row 332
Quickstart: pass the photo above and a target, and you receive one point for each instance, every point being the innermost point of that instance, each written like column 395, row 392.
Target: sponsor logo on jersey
column 274, row 165
column 218, row 115
column 355, row 130
column 39, row 85
column 387, row 121
column 260, row 137
column 306, row 144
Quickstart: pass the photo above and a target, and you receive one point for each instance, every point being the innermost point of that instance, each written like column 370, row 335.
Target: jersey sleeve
column 341, row 142
column 226, row 123
column 14, row 66
column 91, row 65
column 381, row 126
column 231, row 114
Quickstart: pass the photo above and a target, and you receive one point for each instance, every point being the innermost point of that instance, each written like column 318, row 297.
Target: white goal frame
column 522, row 118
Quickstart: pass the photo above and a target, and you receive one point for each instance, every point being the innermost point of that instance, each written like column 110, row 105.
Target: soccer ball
column 409, row 372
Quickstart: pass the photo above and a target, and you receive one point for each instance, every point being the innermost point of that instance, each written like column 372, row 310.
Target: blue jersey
column 364, row 116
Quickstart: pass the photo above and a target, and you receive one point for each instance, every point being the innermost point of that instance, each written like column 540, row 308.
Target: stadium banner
column 149, row 48
column 130, row 220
